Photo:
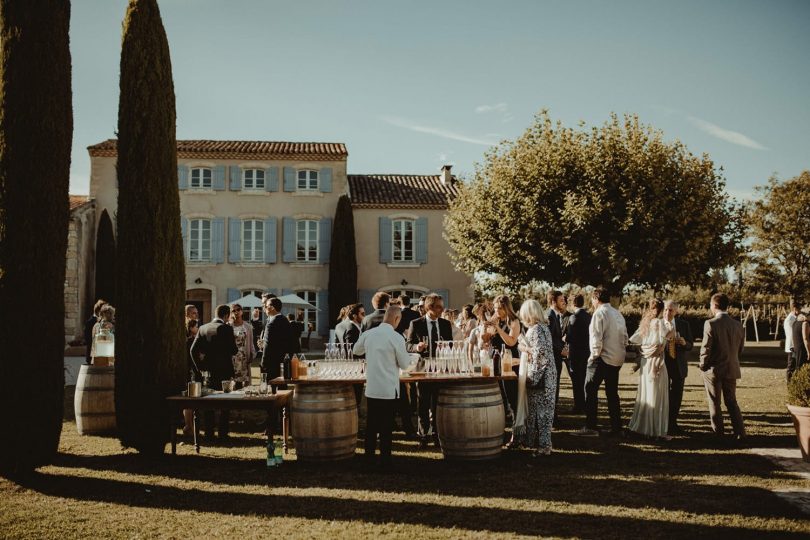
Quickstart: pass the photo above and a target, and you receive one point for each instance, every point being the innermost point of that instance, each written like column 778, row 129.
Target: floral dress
column 541, row 387
column 243, row 336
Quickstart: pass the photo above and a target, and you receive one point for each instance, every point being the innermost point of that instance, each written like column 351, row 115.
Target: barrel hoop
column 478, row 405
column 342, row 409
column 336, row 400
column 94, row 388
column 497, row 437
column 88, row 414
column 351, row 436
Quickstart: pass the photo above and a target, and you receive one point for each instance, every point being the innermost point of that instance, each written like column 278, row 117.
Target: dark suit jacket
column 555, row 325
column 372, row 320
column 279, row 342
column 678, row 364
column 347, row 332
column 723, row 342
column 577, row 336
column 419, row 329
column 408, row 316
column 216, row 341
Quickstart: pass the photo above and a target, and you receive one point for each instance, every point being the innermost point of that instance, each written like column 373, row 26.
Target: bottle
column 496, row 363
column 271, row 458
column 294, row 367
column 278, row 453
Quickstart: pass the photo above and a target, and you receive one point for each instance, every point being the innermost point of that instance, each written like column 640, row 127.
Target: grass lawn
column 593, row 488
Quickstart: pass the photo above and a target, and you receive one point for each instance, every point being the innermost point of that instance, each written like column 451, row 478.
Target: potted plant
column 799, row 407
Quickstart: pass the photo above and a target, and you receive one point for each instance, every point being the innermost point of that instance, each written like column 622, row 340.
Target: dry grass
column 593, row 488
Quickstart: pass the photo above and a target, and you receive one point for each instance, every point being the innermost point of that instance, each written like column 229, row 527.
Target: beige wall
column 79, row 270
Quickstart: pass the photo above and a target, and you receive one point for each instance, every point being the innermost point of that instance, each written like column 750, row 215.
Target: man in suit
column 258, row 328
column 424, row 335
column 723, row 342
column 577, row 339
column 380, row 303
column 557, row 320
column 277, row 339
column 348, row 330
column 675, row 360
column 408, row 314
column 216, row 341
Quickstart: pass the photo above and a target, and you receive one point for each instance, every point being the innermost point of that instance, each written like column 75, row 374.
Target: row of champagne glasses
column 450, row 358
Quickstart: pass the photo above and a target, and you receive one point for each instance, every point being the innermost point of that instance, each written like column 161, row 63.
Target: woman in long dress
column 243, row 335
column 651, row 411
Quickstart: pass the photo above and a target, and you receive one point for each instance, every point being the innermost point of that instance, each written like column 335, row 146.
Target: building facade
column 79, row 263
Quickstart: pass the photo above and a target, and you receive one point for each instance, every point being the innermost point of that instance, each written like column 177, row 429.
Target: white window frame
column 310, row 176
column 197, row 225
column 201, row 178
column 402, row 248
column 254, row 180
column 310, row 296
column 256, row 246
column 309, row 243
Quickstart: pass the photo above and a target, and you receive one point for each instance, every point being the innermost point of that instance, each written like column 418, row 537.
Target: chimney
column 446, row 177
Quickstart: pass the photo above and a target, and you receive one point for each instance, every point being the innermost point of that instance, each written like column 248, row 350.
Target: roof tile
column 401, row 191
column 209, row 149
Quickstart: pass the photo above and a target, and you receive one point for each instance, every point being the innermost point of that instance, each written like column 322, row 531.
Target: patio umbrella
column 295, row 301
column 248, row 301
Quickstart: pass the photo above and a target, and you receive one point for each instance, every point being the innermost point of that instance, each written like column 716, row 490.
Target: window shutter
column 288, row 239
column 324, row 239
column 289, row 179
column 325, row 180
column 236, row 178
column 323, row 312
column 270, row 235
column 219, row 178
column 385, row 240
column 364, row 297
column 271, row 179
column 234, row 240
column 184, row 233
column 284, row 309
column 182, row 177
column 421, row 237
column 233, row 295
column 218, row 240
column 445, row 294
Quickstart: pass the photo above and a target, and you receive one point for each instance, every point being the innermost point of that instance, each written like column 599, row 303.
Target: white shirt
column 788, row 326
column 385, row 355
column 608, row 335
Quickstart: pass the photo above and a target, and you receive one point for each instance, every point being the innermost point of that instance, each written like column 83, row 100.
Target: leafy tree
column 780, row 229
column 342, row 260
column 150, row 342
column 105, row 260
column 610, row 206
column 36, row 130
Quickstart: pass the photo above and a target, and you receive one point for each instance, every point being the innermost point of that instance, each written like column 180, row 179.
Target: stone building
column 79, row 265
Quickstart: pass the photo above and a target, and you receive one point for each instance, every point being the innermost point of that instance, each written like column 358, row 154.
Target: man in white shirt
column 385, row 353
column 608, row 341
column 788, row 326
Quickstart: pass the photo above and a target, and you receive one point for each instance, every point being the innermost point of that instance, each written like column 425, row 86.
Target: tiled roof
column 77, row 201
column 206, row 149
column 400, row 191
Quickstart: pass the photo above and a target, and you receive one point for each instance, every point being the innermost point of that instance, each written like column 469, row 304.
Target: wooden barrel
column 94, row 401
column 470, row 420
column 324, row 422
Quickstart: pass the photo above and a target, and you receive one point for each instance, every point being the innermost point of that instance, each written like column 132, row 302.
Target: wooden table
column 470, row 415
column 218, row 401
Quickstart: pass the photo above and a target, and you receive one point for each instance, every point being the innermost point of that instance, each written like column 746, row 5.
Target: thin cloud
column 498, row 107
column 438, row 132
column 727, row 135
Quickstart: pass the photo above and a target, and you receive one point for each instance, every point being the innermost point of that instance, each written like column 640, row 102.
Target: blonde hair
column 531, row 313
column 107, row 312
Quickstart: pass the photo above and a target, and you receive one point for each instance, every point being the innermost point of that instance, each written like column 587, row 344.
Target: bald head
column 392, row 315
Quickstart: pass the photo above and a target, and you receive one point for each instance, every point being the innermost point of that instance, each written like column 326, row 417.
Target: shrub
column 799, row 387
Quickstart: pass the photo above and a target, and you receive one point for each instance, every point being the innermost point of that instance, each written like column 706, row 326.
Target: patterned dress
column 541, row 387
column 244, row 355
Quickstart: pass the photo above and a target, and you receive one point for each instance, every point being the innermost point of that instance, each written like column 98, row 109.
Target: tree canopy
column 608, row 206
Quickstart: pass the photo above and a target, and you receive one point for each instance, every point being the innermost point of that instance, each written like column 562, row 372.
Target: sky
column 411, row 85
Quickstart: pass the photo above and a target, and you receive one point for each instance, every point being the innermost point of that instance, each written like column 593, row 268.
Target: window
column 252, row 240
column 402, row 230
column 307, row 180
column 253, row 179
column 307, row 240
column 199, row 241
column 255, row 292
column 310, row 316
column 201, row 178
column 413, row 294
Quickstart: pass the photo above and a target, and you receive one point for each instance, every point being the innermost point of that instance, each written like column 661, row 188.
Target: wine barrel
column 470, row 420
column 324, row 422
column 94, row 402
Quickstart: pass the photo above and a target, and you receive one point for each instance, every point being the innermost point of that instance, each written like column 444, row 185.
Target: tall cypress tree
column 36, row 130
column 150, row 342
column 342, row 260
column 105, row 260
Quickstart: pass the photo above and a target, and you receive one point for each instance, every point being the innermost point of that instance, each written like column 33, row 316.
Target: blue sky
column 411, row 85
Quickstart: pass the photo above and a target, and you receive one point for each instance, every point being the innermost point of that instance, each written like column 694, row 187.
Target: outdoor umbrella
column 295, row 301
column 248, row 301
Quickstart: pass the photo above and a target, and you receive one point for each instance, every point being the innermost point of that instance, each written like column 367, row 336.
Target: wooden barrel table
column 324, row 422
column 94, row 401
column 470, row 420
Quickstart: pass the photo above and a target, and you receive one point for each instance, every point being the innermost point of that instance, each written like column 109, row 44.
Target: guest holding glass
column 245, row 353
column 506, row 326
column 106, row 316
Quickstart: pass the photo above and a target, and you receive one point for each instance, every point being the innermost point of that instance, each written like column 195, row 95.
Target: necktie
column 434, row 336
column 672, row 345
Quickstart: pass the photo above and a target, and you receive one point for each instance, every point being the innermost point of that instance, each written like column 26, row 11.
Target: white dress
column 651, row 411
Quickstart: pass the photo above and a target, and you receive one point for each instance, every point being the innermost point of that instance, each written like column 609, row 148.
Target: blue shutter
column 364, row 297
column 323, row 312
column 270, row 235
column 182, row 177
column 233, row 295
column 236, row 178
column 219, row 178
column 324, row 239
column 234, row 240
column 445, row 294
column 288, row 254
column 271, row 179
column 184, row 233
column 421, row 237
column 284, row 309
column 289, row 179
column 385, row 240
column 218, row 240
column 325, row 179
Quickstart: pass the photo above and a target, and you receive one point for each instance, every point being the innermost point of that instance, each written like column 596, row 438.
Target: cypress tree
column 342, row 260
column 150, row 340
column 105, row 260
column 36, row 130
